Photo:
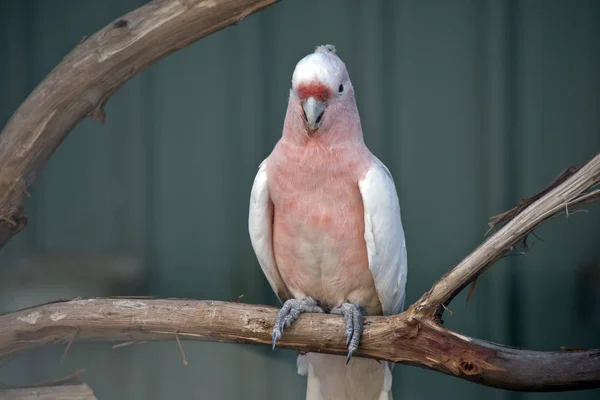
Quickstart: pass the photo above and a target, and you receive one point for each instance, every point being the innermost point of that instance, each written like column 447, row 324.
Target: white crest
column 325, row 48
column 322, row 66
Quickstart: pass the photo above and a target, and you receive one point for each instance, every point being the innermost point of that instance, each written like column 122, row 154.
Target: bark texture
column 66, row 392
column 403, row 338
column 86, row 78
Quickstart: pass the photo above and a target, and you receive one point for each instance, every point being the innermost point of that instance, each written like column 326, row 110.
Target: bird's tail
column 329, row 378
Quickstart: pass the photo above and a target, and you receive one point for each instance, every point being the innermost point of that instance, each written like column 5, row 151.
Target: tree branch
column 81, row 84
column 86, row 78
column 66, row 392
column 401, row 338
column 413, row 337
column 565, row 196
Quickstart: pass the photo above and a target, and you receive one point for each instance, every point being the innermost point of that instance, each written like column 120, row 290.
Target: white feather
column 321, row 66
column 302, row 364
column 384, row 235
column 260, row 226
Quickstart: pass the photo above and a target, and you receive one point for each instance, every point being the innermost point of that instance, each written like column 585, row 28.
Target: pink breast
column 318, row 237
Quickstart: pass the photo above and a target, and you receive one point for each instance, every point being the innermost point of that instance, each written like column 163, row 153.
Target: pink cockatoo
column 325, row 226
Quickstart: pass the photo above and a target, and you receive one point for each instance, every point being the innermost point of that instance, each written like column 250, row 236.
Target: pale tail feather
column 329, row 378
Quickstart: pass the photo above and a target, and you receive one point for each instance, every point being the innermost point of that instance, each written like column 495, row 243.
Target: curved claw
column 289, row 312
column 350, row 353
column 354, row 319
column 276, row 336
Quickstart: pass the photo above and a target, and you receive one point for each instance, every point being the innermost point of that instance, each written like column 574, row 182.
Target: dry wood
column 402, row 338
column 66, row 392
column 86, row 78
column 81, row 84
column 573, row 191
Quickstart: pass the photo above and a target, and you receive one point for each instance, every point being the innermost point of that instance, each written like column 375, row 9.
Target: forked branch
column 581, row 187
column 413, row 337
column 81, row 84
column 402, row 338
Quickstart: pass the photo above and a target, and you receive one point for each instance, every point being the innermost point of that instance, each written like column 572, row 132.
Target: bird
column 325, row 225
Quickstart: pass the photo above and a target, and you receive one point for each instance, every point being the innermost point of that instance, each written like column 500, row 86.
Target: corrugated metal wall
column 472, row 105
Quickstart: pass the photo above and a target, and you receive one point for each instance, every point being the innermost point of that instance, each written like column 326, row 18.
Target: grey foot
column 290, row 311
column 354, row 316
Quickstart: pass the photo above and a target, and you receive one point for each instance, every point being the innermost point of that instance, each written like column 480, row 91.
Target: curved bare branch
column 401, row 338
column 86, row 78
column 81, row 84
column 569, row 193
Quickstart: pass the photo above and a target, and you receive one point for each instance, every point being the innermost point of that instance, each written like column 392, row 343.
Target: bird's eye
column 341, row 88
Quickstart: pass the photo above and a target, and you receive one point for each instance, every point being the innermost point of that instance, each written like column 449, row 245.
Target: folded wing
column 260, row 226
column 384, row 235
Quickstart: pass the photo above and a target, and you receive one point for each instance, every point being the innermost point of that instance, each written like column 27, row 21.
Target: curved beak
column 313, row 112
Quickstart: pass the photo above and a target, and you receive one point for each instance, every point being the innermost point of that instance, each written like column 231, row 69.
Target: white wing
column 260, row 226
column 384, row 235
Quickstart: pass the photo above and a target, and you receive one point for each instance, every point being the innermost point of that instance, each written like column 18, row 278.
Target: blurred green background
column 472, row 105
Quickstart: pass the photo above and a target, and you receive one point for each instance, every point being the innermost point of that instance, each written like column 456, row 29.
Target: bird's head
column 321, row 90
